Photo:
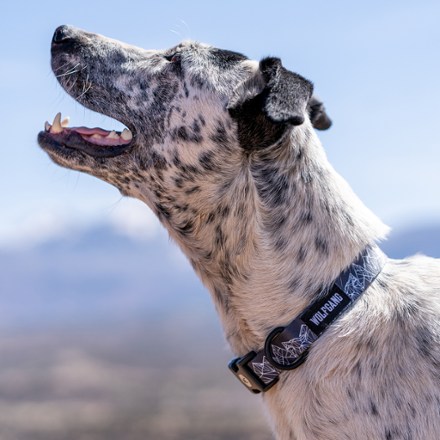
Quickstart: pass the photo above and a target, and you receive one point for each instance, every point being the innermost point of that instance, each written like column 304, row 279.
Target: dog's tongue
column 97, row 135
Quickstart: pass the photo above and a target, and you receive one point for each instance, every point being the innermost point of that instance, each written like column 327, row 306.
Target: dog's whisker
column 86, row 90
column 58, row 68
column 69, row 72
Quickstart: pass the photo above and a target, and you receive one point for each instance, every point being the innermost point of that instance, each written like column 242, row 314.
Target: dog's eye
column 173, row 58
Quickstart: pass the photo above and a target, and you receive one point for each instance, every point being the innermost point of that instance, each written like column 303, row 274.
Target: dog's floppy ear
column 287, row 93
column 317, row 114
column 268, row 103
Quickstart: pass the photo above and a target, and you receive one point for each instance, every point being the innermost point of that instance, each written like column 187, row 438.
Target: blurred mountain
column 97, row 273
column 419, row 239
column 100, row 273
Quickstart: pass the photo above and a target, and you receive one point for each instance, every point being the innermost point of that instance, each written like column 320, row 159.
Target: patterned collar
column 287, row 347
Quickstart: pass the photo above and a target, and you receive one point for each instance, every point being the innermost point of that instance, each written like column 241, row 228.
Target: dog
column 224, row 151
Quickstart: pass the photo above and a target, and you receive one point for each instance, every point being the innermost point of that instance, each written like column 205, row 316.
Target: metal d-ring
column 269, row 355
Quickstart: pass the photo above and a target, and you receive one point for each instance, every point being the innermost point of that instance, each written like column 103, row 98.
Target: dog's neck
column 287, row 226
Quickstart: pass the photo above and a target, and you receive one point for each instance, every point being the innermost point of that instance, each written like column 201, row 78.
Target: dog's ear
column 287, row 93
column 317, row 114
column 268, row 103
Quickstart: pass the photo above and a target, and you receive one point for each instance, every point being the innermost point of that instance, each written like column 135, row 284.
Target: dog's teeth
column 127, row 135
column 96, row 136
column 112, row 135
column 56, row 125
column 47, row 126
column 65, row 122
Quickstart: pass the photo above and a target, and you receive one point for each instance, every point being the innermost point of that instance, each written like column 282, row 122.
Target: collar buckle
column 240, row 368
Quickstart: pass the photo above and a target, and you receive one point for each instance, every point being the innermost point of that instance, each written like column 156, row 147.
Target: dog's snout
column 61, row 35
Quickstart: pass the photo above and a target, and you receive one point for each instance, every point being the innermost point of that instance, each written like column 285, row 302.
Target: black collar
column 286, row 347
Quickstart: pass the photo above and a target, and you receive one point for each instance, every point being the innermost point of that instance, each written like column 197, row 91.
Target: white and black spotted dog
column 223, row 150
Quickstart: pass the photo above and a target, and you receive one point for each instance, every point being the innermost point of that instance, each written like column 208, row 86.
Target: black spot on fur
column 294, row 284
column 272, row 186
column 154, row 159
column 196, row 126
column 321, row 245
column 159, row 162
column 197, row 82
column 302, row 254
column 358, row 371
column 206, row 160
column 189, row 171
column 181, row 133
column 192, row 190
column 292, row 435
column 281, row 244
column 277, row 221
column 373, row 408
column 219, row 236
column 178, row 181
column 224, row 211
column 220, row 135
column 391, row 433
column 425, row 342
column 186, row 228
column 221, row 298
column 306, row 217
column 176, row 159
column 143, row 85
column 185, row 89
column 162, row 211
column 211, row 217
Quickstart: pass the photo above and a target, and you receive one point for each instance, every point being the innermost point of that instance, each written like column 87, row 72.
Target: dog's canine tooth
column 56, row 125
column 47, row 126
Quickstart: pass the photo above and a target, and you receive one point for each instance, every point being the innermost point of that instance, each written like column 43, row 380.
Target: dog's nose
column 61, row 35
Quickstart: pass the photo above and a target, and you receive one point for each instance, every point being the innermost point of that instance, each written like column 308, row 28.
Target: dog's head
column 192, row 112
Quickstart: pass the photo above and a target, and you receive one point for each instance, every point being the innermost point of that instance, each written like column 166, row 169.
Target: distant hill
column 418, row 239
column 96, row 273
column 99, row 273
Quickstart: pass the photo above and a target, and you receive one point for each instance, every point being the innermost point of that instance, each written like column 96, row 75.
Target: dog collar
column 287, row 347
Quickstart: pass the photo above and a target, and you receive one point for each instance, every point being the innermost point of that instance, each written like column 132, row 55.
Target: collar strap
column 287, row 347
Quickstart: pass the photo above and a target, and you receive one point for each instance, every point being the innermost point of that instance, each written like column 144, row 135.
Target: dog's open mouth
column 95, row 142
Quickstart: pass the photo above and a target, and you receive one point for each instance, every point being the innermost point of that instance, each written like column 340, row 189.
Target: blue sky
column 375, row 64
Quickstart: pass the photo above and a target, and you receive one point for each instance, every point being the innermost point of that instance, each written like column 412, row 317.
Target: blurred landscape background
column 105, row 332
column 103, row 336
column 106, row 337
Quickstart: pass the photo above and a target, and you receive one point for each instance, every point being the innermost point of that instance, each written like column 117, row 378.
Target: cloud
column 129, row 217
column 135, row 220
column 35, row 228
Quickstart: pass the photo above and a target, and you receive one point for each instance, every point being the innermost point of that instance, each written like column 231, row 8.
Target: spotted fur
column 226, row 155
